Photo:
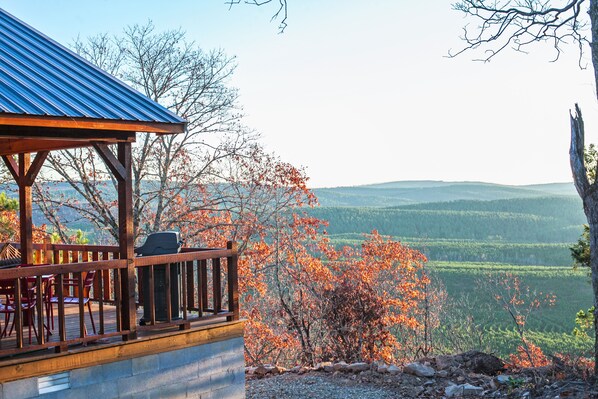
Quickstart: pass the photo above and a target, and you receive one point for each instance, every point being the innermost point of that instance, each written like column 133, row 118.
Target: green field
column 549, row 327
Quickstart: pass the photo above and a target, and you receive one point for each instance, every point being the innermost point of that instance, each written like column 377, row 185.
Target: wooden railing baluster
column 168, row 292
column 190, row 285
column 233, row 282
column 79, row 277
column 183, row 295
column 217, row 285
column 107, row 281
column 61, row 316
column 204, row 284
column 18, row 313
column 152, row 297
column 200, row 288
column 39, row 304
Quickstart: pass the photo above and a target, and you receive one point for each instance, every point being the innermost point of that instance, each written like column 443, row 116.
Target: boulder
column 264, row 369
column 484, row 363
column 419, row 370
column 358, row 367
column 444, row 362
column 442, row 374
column 462, row 390
column 392, row 369
column 321, row 365
column 382, row 368
column 340, row 366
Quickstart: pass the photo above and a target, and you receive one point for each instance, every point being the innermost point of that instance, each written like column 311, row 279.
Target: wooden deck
column 8, row 344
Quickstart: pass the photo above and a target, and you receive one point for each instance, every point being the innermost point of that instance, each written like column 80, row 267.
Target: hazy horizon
column 447, row 182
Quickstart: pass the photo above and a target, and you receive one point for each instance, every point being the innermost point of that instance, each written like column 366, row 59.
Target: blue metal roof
column 39, row 77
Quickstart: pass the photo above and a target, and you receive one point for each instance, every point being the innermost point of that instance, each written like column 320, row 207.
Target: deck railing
column 207, row 281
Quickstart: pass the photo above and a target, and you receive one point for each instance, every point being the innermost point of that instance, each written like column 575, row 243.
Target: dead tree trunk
column 588, row 191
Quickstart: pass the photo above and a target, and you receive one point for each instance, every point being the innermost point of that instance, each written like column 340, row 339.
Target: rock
column 493, row 385
column 250, row 370
column 442, row 374
column 503, row 379
column 264, row 369
column 444, row 362
column 321, row 365
column 462, row 390
column 329, row 368
column 366, row 373
column 419, row 370
column 304, row 370
column 394, row 370
column 484, row 363
column 382, row 368
column 357, row 367
column 295, row 369
column 428, row 383
column 340, row 366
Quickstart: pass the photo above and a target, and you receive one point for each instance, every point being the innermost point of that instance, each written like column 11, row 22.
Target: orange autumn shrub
column 529, row 356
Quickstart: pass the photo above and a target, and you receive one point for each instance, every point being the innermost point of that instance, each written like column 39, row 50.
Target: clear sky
column 361, row 91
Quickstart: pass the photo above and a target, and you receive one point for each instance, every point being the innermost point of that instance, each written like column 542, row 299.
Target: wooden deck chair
column 70, row 285
column 8, row 306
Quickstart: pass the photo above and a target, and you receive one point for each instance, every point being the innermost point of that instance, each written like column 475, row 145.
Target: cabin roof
column 45, row 85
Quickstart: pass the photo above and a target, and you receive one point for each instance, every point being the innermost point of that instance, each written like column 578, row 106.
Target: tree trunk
column 593, row 13
column 588, row 191
column 594, row 267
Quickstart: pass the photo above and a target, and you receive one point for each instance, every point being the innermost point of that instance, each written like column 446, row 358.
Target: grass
column 549, row 327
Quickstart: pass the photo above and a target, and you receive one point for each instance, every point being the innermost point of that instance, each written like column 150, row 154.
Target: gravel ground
column 316, row 385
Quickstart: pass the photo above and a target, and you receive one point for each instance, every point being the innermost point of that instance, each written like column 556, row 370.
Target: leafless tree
column 518, row 24
column 190, row 82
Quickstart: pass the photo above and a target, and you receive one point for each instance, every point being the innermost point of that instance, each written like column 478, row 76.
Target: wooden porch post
column 25, row 210
column 126, row 241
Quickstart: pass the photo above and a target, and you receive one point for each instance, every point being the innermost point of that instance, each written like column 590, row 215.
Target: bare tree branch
column 281, row 13
column 517, row 24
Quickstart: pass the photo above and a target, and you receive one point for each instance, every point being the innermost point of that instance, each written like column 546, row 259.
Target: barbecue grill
column 162, row 243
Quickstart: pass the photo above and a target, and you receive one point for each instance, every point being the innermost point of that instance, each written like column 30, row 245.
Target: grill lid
column 161, row 243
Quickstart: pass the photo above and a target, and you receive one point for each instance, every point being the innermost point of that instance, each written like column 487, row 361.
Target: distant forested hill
column 415, row 192
column 460, row 221
column 508, row 224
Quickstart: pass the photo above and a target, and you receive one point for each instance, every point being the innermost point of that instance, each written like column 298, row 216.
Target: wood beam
column 10, row 146
column 35, row 167
column 113, row 163
column 57, row 122
column 126, row 242
column 59, row 133
column 12, row 166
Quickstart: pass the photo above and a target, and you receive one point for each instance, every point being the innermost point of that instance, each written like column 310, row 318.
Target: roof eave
column 83, row 124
